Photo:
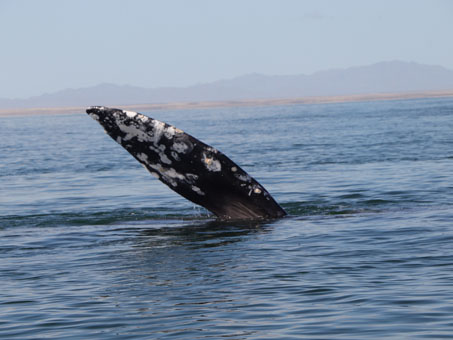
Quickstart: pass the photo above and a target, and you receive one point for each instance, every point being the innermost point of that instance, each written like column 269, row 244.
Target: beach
column 238, row 103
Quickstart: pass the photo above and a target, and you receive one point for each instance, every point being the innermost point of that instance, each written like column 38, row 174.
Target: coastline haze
column 394, row 77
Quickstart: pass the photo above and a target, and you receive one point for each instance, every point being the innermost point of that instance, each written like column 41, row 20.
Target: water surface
column 92, row 246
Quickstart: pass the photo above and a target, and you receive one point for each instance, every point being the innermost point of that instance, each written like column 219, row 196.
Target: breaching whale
column 193, row 169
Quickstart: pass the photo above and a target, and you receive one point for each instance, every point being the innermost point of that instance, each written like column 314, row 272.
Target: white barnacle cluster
column 172, row 177
column 143, row 157
column 169, row 175
column 94, row 116
column 130, row 114
column 143, row 118
column 255, row 189
column 170, row 132
column 211, row 163
column 172, row 173
column 136, row 115
column 191, row 177
column 160, row 150
column 142, row 129
column 132, row 131
column 175, row 156
column 197, row 190
column 132, row 125
column 247, row 182
column 242, row 177
column 158, row 129
column 180, row 147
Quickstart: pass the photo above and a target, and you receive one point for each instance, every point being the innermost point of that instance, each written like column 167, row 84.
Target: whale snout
column 95, row 109
column 108, row 118
column 102, row 114
column 96, row 112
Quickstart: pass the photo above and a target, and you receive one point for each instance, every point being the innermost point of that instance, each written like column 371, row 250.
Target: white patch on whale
column 161, row 152
column 143, row 118
column 132, row 131
column 211, row 164
column 243, row 178
column 180, row 147
column 170, row 132
column 197, row 190
column 168, row 174
column 139, row 131
column 143, row 157
column 175, row 156
column 191, row 177
column 130, row 114
column 158, row 130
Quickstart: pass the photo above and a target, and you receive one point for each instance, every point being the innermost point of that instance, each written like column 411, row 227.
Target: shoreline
column 233, row 103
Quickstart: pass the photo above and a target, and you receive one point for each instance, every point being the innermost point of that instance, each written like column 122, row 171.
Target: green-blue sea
column 93, row 247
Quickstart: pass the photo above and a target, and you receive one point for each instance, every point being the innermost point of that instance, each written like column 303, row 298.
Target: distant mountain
column 384, row 77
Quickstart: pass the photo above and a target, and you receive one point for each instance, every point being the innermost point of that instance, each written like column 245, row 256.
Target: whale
column 195, row 170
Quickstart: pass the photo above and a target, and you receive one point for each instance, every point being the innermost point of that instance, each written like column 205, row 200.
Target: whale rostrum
column 193, row 169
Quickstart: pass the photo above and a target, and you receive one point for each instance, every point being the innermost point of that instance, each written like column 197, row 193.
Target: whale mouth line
column 197, row 171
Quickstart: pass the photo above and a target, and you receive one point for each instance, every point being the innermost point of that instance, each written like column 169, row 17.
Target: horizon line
column 370, row 97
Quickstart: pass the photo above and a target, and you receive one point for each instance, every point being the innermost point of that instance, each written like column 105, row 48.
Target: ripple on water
column 93, row 247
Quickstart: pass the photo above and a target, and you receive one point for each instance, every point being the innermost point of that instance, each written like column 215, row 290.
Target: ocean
column 94, row 247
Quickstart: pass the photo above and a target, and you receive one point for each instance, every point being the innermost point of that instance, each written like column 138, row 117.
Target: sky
column 50, row 45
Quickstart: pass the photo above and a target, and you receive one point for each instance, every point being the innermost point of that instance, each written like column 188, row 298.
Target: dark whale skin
column 193, row 169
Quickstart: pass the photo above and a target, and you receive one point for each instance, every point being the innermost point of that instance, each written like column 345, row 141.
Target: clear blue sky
column 49, row 45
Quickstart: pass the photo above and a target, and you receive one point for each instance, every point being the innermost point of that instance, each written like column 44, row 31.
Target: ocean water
column 93, row 247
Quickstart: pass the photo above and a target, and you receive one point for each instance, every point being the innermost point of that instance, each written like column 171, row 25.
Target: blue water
column 93, row 247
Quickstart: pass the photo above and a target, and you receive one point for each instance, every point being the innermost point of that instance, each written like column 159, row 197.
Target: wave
column 106, row 217
column 351, row 204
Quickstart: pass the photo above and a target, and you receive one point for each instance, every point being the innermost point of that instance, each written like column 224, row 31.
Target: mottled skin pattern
column 188, row 166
